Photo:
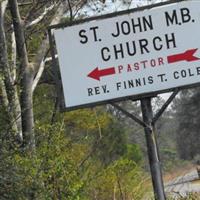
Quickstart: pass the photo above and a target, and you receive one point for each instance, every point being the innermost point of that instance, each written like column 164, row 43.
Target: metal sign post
column 153, row 154
column 148, row 123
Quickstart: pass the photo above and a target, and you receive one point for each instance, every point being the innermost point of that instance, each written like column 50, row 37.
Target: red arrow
column 186, row 56
column 97, row 74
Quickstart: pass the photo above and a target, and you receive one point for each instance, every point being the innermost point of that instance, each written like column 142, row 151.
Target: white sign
column 130, row 54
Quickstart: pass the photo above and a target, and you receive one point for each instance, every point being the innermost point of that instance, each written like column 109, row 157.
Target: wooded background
column 87, row 154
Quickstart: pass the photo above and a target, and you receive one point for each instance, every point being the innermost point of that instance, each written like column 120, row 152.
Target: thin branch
column 45, row 43
column 4, row 6
column 13, row 57
column 49, row 59
column 120, row 188
column 40, row 72
column 25, row 3
column 38, row 76
column 70, row 10
column 41, row 17
column 40, row 56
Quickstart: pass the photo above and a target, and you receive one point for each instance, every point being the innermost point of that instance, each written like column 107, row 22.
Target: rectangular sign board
column 130, row 53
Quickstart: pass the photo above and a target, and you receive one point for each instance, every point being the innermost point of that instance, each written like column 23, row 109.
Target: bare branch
column 3, row 7
column 70, row 10
column 39, row 58
column 40, row 72
column 59, row 14
column 38, row 76
column 50, row 58
column 25, row 3
column 13, row 57
column 41, row 17
column 79, row 6
column 3, row 93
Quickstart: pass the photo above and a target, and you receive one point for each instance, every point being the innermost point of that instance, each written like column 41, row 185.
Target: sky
column 94, row 7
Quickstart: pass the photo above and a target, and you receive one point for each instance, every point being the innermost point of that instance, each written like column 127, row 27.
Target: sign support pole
column 153, row 154
column 148, row 123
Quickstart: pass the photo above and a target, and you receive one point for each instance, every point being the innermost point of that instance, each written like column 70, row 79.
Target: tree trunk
column 7, row 86
column 27, row 110
column 29, row 71
column 26, row 77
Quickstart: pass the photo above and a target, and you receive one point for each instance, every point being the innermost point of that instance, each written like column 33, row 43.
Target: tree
column 187, row 116
column 20, row 71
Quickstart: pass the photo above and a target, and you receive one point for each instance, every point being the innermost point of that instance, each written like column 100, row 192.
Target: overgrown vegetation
column 83, row 154
column 88, row 154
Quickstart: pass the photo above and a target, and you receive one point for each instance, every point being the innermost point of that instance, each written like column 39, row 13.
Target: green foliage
column 59, row 161
column 134, row 153
column 112, row 144
column 44, row 100
column 77, row 155
column 52, row 173
column 81, row 154
column 65, row 20
column 35, row 41
column 88, row 120
column 3, row 121
column 55, row 171
column 169, row 158
column 122, row 179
